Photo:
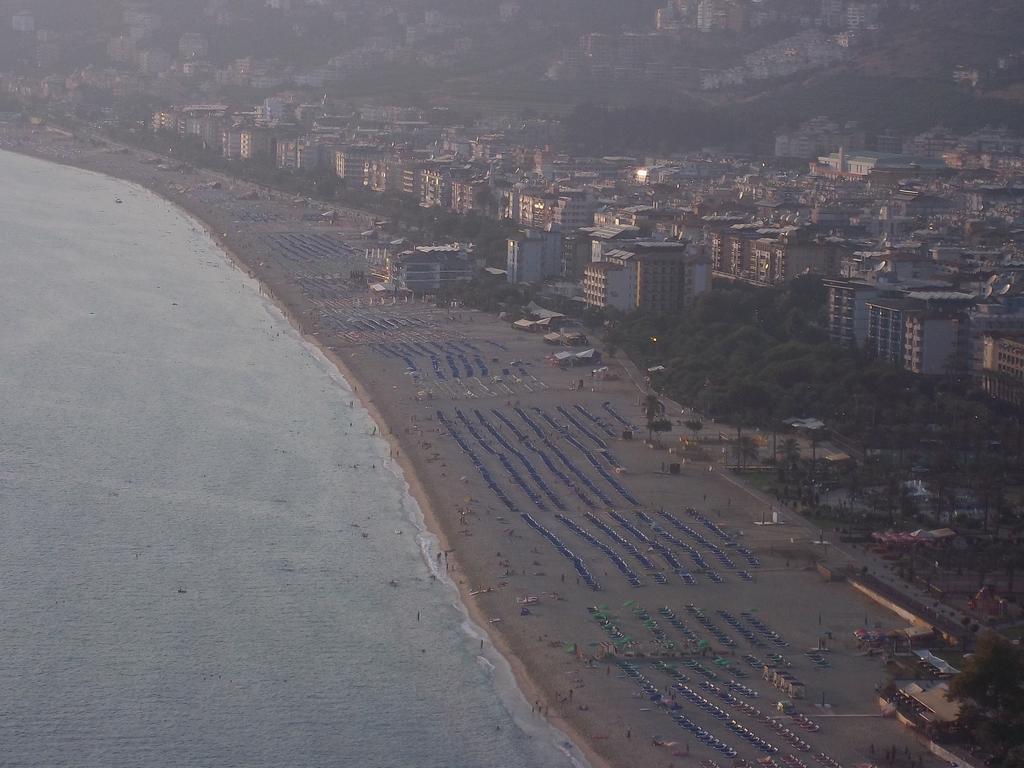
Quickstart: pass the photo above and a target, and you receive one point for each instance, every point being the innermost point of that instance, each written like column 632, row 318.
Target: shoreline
column 559, row 648
column 433, row 524
column 583, row 753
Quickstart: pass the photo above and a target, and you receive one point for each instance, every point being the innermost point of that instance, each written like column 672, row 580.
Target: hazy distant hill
column 955, row 62
column 917, row 63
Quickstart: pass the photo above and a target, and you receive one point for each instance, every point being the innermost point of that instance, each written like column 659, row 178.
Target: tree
column 790, row 453
column 694, row 425
column 654, row 412
column 661, row 425
column 746, row 450
column 990, row 690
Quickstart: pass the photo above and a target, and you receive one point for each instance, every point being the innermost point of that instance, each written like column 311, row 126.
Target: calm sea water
column 184, row 576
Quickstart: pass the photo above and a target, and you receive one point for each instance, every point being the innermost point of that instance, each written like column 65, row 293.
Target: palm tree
column 790, row 453
column 746, row 449
column 654, row 410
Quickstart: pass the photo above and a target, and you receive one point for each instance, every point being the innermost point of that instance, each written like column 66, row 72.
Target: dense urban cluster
column 141, row 48
column 845, row 288
column 920, row 236
column 717, row 44
column 921, row 243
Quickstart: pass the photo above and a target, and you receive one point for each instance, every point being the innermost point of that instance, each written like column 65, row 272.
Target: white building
column 534, row 256
column 573, row 210
column 609, row 284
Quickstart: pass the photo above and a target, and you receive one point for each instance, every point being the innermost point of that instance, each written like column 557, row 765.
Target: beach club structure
column 428, row 268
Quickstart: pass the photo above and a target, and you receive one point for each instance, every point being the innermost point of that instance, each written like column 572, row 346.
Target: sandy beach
column 696, row 597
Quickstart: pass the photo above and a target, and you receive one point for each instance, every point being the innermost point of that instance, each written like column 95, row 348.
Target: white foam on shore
column 511, row 695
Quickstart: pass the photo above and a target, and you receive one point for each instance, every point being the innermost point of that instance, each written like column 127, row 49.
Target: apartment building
column 762, row 255
column 720, row 14
column 435, row 185
column 573, row 209
column 467, row 183
column 932, row 341
column 231, row 142
column 731, row 249
column 887, row 327
column 381, row 174
column 1002, row 373
column 533, row 256
column 608, row 284
column 165, row 121
column 287, row 154
column 257, row 144
column 984, row 319
column 654, row 276
column 921, row 331
column 351, row 161
column 606, row 238
column 575, row 253
column 848, row 311
column 785, row 254
column 669, row 275
column 534, row 209
column 207, row 125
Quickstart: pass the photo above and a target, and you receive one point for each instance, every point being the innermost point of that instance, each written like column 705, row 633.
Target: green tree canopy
column 990, row 690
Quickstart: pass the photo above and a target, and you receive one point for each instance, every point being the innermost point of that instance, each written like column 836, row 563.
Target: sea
column 206, row 556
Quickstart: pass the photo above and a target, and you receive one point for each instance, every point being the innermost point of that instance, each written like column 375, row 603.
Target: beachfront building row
column 534, row 255
column 428, row 268
column 928, row 329
column 653, row 276
column 766, row 255
column 617, row 268
column 1003, row 366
